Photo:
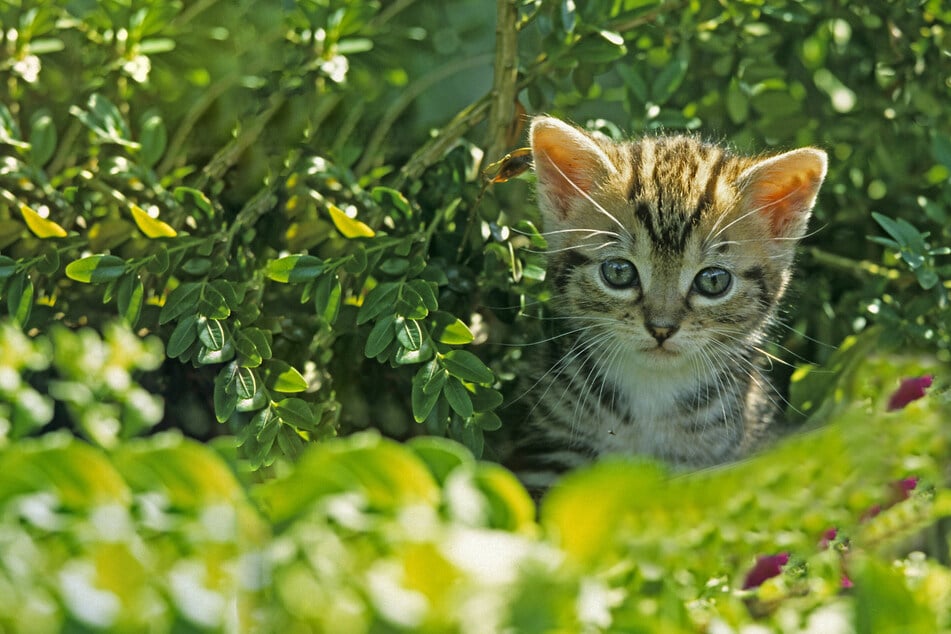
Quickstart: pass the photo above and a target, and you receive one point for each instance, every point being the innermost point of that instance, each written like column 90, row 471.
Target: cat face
column 667, row 249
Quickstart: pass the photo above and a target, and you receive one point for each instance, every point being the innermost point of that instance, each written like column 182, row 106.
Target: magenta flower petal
column 910, row 390
column 846, row 582
column 767, row 567
column 828, row 536
column 904, row 487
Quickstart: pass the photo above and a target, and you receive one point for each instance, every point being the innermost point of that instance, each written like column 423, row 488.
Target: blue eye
column 712, row 281
column 619, row 273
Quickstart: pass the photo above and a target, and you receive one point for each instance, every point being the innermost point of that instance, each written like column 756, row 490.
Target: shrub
column 297, row 203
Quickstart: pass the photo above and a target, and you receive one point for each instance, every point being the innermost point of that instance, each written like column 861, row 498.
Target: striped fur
column 659, row 366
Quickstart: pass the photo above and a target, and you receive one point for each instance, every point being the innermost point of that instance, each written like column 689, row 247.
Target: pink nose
column 661, row 332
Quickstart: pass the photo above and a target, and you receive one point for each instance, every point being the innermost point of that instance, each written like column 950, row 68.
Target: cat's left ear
column 783, row 189
column 569, row 165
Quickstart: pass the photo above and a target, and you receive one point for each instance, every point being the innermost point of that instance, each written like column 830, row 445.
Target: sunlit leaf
column 349, row 227
column 40, row 226
column 96, row 269
column 282, row 377
column 151, row 227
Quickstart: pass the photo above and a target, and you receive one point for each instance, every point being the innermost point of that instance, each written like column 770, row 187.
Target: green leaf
column 183, row 299
column 211, row 333
column 212, row 304
column 378, row 300
column 634, row 82
column 260, row 339
column 207, row 356
column 458, row 397
column 737, row 103
column 422, row 402
column 485, row 399
column 293, row 269
column 246, row 384
column 456, row 333
column 8, row 266
column 96, row 269
column 20, row 298
column 427, row 292
column 42, row 138
column 510, row 506
column 668, row 80
column 153, row 45
column 411, row 304
column 225, row 396
column 183, row 336
column 246, row 347
column 409, row 334
column 49, row 262
column 394, row 266
column 197, row 196
column 105, row 120
column 289, row 441
column 298, row 413
column 397, row 198
column 885, row 604
column 284, row 378
column 487, row 421
column 327, row 295
column 129, row 298
column 466, row 366
column 569, row 16
column 381, row 336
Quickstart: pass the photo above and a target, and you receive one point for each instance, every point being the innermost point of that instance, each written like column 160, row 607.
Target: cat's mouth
column 661, row 351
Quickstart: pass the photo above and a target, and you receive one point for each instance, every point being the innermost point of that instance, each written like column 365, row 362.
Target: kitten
column 667, row 258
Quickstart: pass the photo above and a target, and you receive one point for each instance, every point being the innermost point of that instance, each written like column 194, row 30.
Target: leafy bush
column 290, row 200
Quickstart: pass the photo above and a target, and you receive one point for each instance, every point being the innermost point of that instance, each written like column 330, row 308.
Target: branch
column 408, row 96
column 504, row 85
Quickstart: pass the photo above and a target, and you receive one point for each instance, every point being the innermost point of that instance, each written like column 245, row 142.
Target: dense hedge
column 264, row 225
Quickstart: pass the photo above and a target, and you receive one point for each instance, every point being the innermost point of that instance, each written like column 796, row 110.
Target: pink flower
column 902, row 488
column 767, row 567
column 910, row 390
column 846, row 583
column 828, row 536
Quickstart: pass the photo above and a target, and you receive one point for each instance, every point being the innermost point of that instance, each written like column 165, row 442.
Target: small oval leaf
column 466, row 366
column 40, row 226
column 151, row 227
column 96, row 269
column 349, row 227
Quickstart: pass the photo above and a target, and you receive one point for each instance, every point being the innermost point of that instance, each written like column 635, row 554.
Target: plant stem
column 505, row 79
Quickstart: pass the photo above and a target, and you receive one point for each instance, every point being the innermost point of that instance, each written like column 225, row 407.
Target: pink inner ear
column 784, row 201
column 563, row 170
column 783, row 189
column 567, row 162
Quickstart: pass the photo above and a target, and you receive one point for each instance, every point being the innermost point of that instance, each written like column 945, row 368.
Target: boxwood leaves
column 95, row 269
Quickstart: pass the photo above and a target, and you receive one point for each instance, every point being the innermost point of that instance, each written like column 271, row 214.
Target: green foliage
column 288, row 199
column 364, row 534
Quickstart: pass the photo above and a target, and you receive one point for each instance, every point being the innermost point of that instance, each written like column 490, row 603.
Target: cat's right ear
column 568, row 164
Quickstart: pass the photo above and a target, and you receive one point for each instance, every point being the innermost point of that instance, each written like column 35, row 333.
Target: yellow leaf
column 151, row 227
column 40, row 226
column 349, row 227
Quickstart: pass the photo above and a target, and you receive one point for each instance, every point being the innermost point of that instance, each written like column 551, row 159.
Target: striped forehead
column 675, row 183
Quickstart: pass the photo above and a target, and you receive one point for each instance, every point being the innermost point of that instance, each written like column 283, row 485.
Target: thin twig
column 371, row 152
column 231, row 153
column 184, row 130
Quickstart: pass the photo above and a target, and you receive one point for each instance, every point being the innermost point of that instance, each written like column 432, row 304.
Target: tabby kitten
column 668, row 257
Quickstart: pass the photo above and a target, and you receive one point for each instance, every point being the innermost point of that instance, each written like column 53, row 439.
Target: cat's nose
column 661, row 332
